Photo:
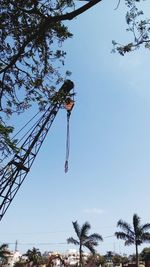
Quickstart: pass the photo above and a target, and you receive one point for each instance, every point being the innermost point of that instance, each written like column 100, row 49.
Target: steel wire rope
column 28, row 131
column 68, row 133
column 1, row 160
column 25, row 125
column 67, row 142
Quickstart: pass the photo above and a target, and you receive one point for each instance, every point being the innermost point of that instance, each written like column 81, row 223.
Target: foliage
column 4, row 253
column 84, row 239
column 95, row 260
column 124, row 259
column 109, row 255
column 34, row 256
column 137, row 234
column 31, row 55
column 32, row 34
column 6, row 144
column 30, row 45
column 138, row 26
column 44, row 259
column 145, row 254
column 132, row 257
column 117, row 259
column 20, row 263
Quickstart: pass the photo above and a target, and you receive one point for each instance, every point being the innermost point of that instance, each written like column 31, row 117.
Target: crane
column 17, row 168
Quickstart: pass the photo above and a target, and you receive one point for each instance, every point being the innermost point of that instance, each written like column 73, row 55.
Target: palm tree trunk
column 137, row 255
column 80, row 256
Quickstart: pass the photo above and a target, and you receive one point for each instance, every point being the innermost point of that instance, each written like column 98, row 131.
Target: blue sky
column 109, row 168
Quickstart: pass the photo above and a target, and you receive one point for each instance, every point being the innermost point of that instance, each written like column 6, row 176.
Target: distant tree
column 44, row 259
column 34, row 256
column 109, row 255
column 21, row 262
column 136, row 234
column 100, row 259
column 117, row 259
column 132, row 258
column 4, row 253
column 145, row 254
column 124, row 259
column 84, row 239
column 95, row 260
column 31, row 54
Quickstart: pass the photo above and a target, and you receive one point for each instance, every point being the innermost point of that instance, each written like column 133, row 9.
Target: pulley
column 69, row 103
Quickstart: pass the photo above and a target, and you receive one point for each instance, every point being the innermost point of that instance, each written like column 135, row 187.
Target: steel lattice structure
column 17, row 169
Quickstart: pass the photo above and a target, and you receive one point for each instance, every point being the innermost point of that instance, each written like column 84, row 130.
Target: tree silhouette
column 84, row 239
column 136, row 234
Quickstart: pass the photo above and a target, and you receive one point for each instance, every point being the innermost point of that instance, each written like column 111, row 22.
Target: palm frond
column 90, row 246
column 94, row 243
column 145, row 227
column 77, row 228
column 85, row 228
column 145, row 237
column 129, row 242
column 124, row 236
column 71, row 240
column 95, row 237
column 136, row 222
column 135, row 235
column 124, row 226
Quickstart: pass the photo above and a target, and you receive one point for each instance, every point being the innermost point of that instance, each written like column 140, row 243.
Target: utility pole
column 16, row 245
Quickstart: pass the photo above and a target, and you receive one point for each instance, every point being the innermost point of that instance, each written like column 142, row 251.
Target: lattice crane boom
column 17, row 169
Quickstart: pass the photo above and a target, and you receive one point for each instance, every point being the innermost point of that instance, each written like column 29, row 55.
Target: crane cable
column 19, row 131
column 68, row 106
column 25, row 126
column 67, row 141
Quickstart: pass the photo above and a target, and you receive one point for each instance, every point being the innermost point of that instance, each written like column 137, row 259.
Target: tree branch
column 49, row 20
column 75, row 13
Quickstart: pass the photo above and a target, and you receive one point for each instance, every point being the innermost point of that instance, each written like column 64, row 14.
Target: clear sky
column 109, row 166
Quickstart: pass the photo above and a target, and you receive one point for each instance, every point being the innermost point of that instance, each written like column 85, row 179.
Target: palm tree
column 136, row 235
column 84, row 240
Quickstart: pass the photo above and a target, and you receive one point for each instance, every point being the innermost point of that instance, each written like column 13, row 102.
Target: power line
column 29, row 244
column 44, row 243
column 108, row 236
